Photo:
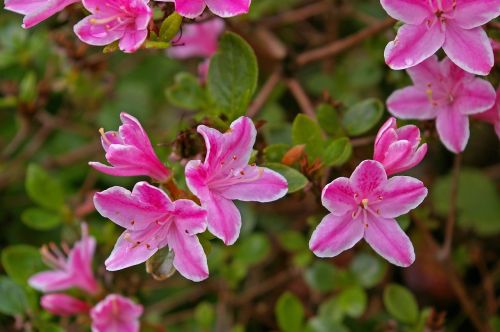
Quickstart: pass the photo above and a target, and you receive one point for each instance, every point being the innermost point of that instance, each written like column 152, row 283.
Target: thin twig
column 300, row 95
column 343, row 44
column 264, row 93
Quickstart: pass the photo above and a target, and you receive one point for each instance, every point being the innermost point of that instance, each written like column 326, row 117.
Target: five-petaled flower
column 454, row 25
column 492, row 115
column 130, row 153
column 112, row 20
column 222, row 8
column 73, row 270
column 64, row 305
column 152, row 221
column 365, row 205
column 225, row 176
column 445, row 92
column 36, row 11
column 116, row 313
column 397, row 149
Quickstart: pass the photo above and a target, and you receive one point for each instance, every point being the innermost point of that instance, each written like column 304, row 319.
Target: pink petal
column 259, row 184
column 413, row 161
column 189, row 8
column 368, row 177
column 470, row 14
column 396, row 154
column 51, row 281
column 80, row 265
column 413, row 44
column 336, row 234
column 383, row 142
column 400, row 195
column 117, row 170
column 475, row 96
column 134, row 210
column 389, row 241
column 427, row 72
column 196, row 178
column 338, row 197
column 37, row 11
column 228, row 8
column 127, row 253
column 132, row 132
column 63, row 305
column 224, row 219
column 189, row 216
column 410, row 133
column 408, row 11
column 386, row 127
column 453, row 129
column 411, row 103
column 469, row 49
column 132, row 40
column 96, row 34
column 116, row 313
column 189, row 258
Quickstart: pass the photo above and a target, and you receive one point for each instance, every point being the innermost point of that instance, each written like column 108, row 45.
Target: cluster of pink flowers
column 365, row 205
column 125, row 21
column 72, row 268
column 153, row 221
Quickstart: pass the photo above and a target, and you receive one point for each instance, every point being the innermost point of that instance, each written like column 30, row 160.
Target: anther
column 364, row 201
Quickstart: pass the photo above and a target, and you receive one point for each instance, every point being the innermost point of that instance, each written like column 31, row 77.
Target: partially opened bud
column 63, row 305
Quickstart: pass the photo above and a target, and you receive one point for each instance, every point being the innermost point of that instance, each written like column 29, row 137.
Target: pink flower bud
column 63, row 305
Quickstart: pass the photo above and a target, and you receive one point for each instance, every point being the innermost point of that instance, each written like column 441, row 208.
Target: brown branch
column 296, row 15
column 300, row 95
column 264, row 93
column 344, row 44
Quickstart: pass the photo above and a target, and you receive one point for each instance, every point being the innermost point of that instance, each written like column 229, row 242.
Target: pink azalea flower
column 492, row 115
column 397, row 149
column 73, row 270
column 152, row 222
column 130, row 153
column 112, row 20
column 63, row 305
column 454, row 25
column 364, row 206
column 222, row 8
column 444, row 92
column 36, row 11
column 225, row 176
column 116, row 313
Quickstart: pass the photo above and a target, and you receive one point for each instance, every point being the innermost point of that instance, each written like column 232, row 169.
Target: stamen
column 103, row 135
column 364, row 201
column 105, row 20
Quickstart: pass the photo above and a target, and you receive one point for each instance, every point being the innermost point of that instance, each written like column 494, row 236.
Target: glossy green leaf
column 306, row 131
column 367, row 269
column 328, row 119
column 337, row 152
column 253, row 249
column 321, row 276
column 289, row 313
column 363, row 116
column 296, row 180
column 187, row 93
column 170, row 26
column 40, row 219
column 353, row 301
column 44, row 189
column 401, row 303
column 21, row 262
column 13, row 300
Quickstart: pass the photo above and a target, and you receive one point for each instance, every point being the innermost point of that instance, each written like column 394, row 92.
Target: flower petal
column 453, row 129
column 190, row 216
column 224, row 219
column 426, row 73
column 126, row 253
column 189, row 258
column 368, row 177
column 413, row 44
column 228, row 8
column 134, row 210
column 399, row 195
column 259, row 184
column 470, row 14
column 475, row 96
column 408, row 11
column 389, row 241
column 336, row 234
column 51, row 281
column 397, row 153
column 196, row 178
column 36, row 11
column 338, row 197
column 469, row 49
column 190, row 8
column 413, row 161
column 411, row 103
column 132, row 40
column 96, row 34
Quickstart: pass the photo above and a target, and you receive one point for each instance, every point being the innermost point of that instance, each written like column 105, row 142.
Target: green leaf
column 187, row 93
column 43, row 189
column 362, row 116
column 328, row 119
column 205, row 314
column 337, row 152
column 289, row 313
column 324, row 324
column 252, row 249
column 296, row 180
column 352, row 301
column 27, row 88
column 306, row 131
column 13, row 300
column 21, row 262
column 401, row 303
column 478, row 201
column 170, row 27
column 274, row 153
column 49, row 327
column 292, row 241
column 367, row 269
column 40, row 219
column 232, row 76
column 320, row 276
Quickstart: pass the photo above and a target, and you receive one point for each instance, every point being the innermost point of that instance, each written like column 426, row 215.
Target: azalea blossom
column 112, row 20
column 397, row 149
column 71, row 268
column 63, row 305
column 364, row 206
column 492, row 115
column 225, row 176
column 152, row 221
column 454, row 25
column 116, row 313
column 222, row 8
column 130, row 153
column 36, row 11
column 444, row 92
